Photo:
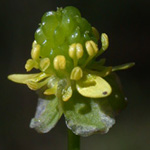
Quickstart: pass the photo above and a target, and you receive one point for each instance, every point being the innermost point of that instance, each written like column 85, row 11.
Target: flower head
column 70, row 81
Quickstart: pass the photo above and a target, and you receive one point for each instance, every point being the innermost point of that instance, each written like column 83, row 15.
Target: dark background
column 126, row 23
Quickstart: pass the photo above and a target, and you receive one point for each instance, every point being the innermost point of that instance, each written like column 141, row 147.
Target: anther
column 59, row 62
column 35, row 52
column 51, row 91
column 76, row 52
column 44, row 63
column 95, row 32
column 105, row 42
column 79, row 50
column 91, row 48
column 30, row 64
column 35, row 85
column 66, row 94
column 76, row 73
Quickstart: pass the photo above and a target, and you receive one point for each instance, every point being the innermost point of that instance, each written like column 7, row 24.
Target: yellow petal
column 22, row 78
column 93, row 86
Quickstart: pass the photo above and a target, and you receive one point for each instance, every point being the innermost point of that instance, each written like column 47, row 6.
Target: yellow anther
column 59, row 62
column 76, row 52
column 105, row 44
column 35, row 85
column 91, row 48
column 34, row 43
column 96, row 33
column 66, row 94
column 76, row 73
column 51, row 91
column 79, row 50
column 32, row 85
column 105, row 41
column 44, row 63
column 72, row 51
column 30, row 64
column 35, row 52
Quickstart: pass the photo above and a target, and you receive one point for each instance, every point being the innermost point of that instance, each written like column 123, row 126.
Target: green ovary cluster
column 58, row 31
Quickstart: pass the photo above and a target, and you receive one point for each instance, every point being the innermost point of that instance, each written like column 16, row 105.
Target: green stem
column 73, row 141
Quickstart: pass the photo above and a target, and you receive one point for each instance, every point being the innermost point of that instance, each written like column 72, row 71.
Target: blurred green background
column 126, row 23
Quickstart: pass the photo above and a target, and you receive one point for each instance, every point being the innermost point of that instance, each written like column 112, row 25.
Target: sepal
column 86, row 116
column 47, row 114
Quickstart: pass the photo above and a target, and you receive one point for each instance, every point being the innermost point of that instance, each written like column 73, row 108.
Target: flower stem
column 73, row 141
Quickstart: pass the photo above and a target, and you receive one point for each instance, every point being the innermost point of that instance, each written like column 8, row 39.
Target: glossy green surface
column 60, row 29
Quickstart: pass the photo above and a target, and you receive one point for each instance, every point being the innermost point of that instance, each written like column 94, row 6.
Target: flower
column 70, row 80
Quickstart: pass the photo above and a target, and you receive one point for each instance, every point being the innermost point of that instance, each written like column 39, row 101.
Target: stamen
column 76, row 73
column 66, row 93
column 36, row 85
column 76, row 52
column 59, row 62
column 79, row 50
column 96, row 33
column 105, row 44
column 92, row 50
column 51, row 91
column 44, row 63
column 35, row 52
column 30, row 64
